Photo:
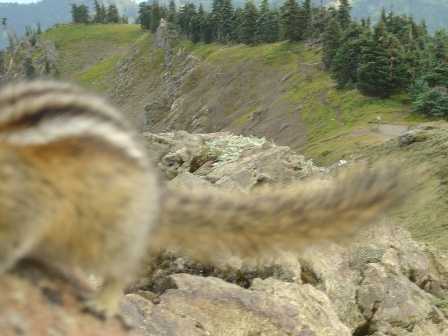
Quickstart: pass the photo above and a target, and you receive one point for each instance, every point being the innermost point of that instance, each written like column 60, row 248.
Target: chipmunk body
column 77, row 189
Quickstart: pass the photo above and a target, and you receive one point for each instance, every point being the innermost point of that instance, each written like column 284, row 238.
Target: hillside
column 274, row 90
column 390, row 279
column 48, row 13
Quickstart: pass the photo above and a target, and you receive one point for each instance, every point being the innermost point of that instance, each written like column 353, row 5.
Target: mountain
column 50, row 12
column 434, row 12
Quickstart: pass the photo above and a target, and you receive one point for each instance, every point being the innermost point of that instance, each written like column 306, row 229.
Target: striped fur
column 76, row 188
column 45, row 112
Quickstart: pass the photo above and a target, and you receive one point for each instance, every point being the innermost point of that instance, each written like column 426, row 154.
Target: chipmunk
column 78, row 190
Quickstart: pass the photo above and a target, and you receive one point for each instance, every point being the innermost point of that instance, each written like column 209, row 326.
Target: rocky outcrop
column 208, row 306
column 384, row 283
column 226, row 160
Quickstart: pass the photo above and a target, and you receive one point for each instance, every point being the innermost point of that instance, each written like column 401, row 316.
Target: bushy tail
column 204, row 223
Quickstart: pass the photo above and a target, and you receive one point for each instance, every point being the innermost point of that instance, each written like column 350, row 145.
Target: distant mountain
column 50, row 12
column 434, row 12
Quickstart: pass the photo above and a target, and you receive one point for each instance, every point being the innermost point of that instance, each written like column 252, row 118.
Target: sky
column 29, row 1
column 19, row 1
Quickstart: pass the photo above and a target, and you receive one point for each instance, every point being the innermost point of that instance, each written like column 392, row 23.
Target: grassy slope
column 88, row 54
column 338, row 123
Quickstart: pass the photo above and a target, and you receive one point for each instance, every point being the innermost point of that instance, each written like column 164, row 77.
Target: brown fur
column 78, row 202
column 205, row 222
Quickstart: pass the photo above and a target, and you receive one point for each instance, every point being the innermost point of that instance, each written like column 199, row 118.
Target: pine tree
column 344, row 15
column 440, row 46
column 237, row 22
column 144, row 15
column 221, row 19
column 267, row 24
column 100, row 12
column 156, row 16
column 291, row 21
column 112, row 15
column 103, row 13
column 226, row 15
column 345, row 63
column 172, row 12
column 80, row 14
column 330, row 42
column 208, row 29
column 381, row 70
column 307, row 16
column 186, row 16
column 249, row 23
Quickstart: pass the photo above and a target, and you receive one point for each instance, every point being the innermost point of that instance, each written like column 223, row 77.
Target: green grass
column 88, row 53
column 67, row 36
column 337, row 121
column 99, row 75
column 331, row 116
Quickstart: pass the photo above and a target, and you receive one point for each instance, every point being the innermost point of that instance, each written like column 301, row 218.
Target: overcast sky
column 20, row 1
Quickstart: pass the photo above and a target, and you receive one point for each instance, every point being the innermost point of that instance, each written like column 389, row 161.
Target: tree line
column 250, row 25
column 101, row 14
column 394, row 55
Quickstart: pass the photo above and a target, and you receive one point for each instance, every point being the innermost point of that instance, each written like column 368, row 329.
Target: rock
column 188, row 180
column 226, row 160
column 385, row 283
column 411, row 137
column 34, row 302
column 209, row 306
column 394, row 305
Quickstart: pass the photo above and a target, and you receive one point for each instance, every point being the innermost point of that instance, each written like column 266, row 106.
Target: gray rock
column 210, row 306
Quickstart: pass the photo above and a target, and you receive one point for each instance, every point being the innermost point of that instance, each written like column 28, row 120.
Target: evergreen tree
column 307, row 17
column 291, row 21
column 330, row 42
column 344, row 15
column 100, row 12
column 249, row 23
column 144, row 15
column 186, row 17
column 267, row 24
column 381, row 71
column 344, row 65
column 112, row 15
column 197, row 23
column 237, row 23
column 156, row 16
column 80, row 14
column 172, row 12
column 440, row 46
column 226, row 24
column 208, row 29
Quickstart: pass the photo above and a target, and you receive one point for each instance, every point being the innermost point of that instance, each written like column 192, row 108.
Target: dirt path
column 390, row 130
